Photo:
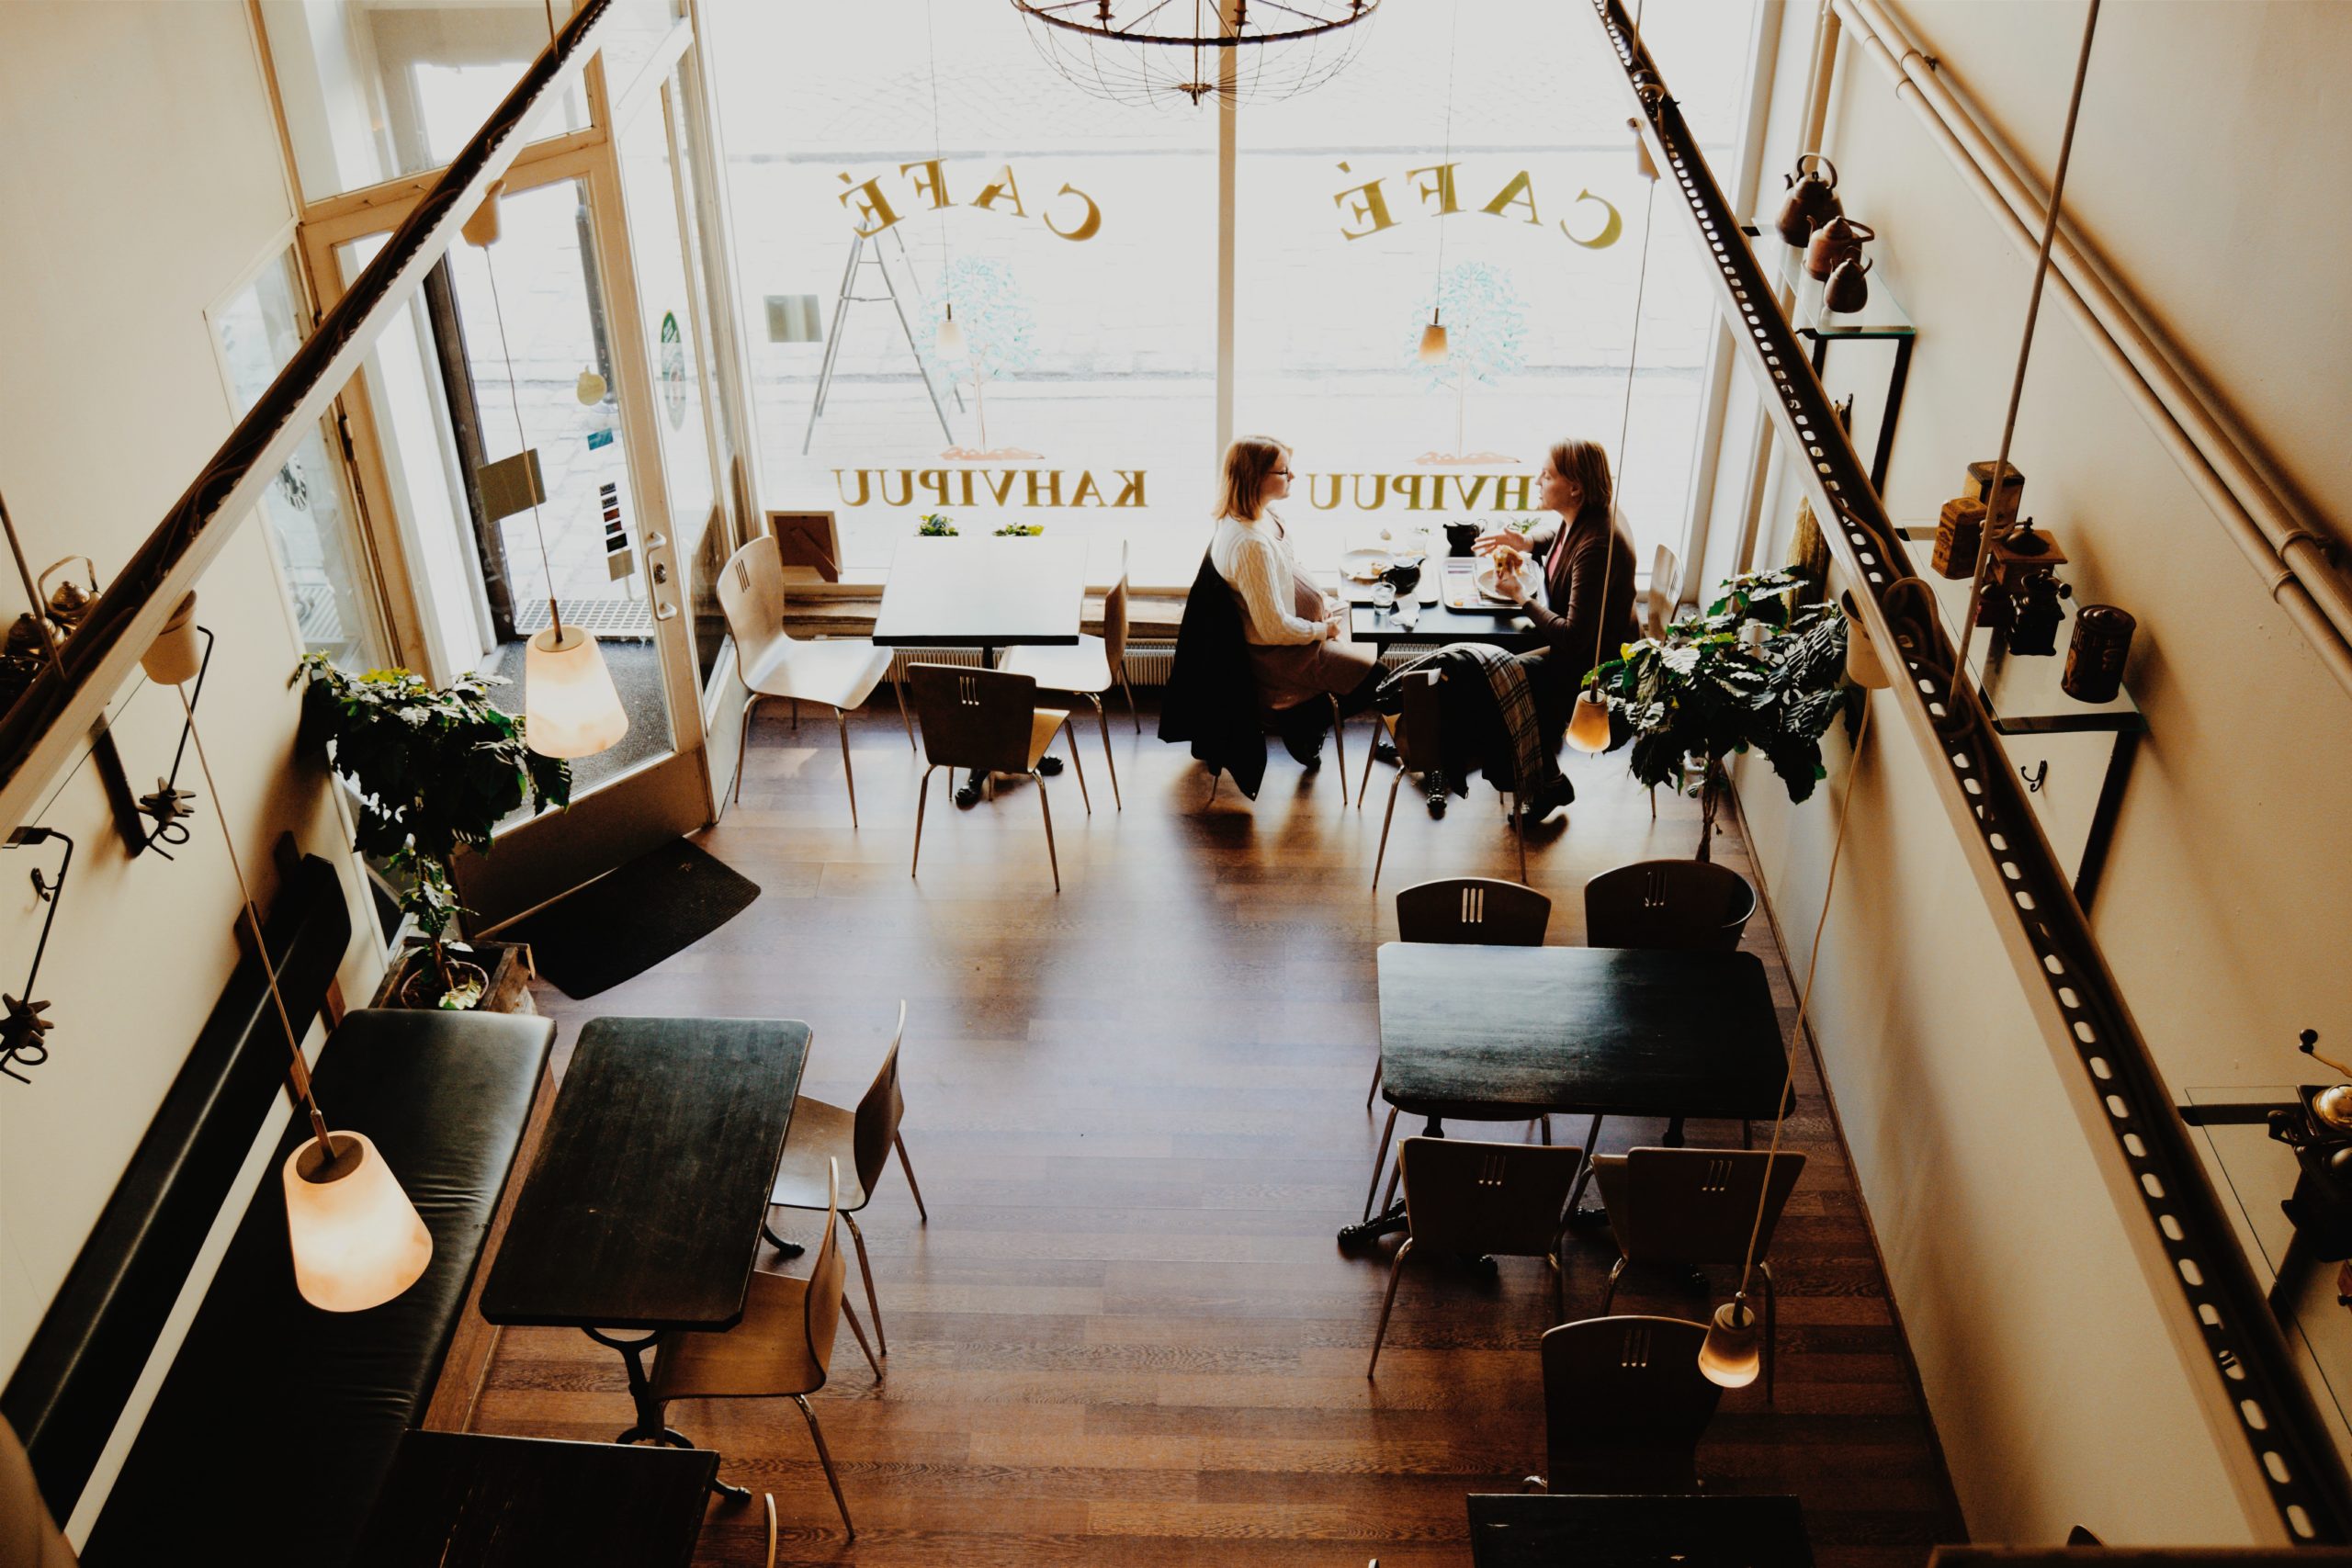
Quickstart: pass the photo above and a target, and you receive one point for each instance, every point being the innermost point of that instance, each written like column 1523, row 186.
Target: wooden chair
column 838, row 673
column 1088, row 669
column 1624, row 1406
column 780, row 1350
column 1270, row 721
column 1660, row 599
column 988, row 721
column 1472, row 909
column 1504, row 1200
column 1686, row 904
column 1683, row 905
column 1684, row 1207
column 1415, row 728
column 825, row 1139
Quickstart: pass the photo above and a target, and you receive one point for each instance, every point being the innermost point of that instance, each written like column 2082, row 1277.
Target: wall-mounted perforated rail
column 2180, row 1228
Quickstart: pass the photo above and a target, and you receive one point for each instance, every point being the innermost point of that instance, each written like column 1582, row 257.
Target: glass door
column 536, row 345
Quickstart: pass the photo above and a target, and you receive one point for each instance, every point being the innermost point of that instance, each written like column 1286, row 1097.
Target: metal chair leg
column 1051, row 859
column 1103, row 718
column 1772, row 1326
column 1395, row 1175
column 1370, row 1093
column 923, row 797
column 826, row 1460
column 1584, row 1166
column 743, row 743
column 881, row 1334
column 901, row 1144
column 1387, row 1302
column 1609, row 1289
column 898, row 690
column 1216, row 777
column 1379, row 1161
column 1388, row 818
column 1133, row 716
column 1339, row 744
column 1519, row 831
column 858, row 1328
column 1069, row 733
column 849, row 775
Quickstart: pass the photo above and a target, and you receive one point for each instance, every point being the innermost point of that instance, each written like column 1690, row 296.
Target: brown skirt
column 1289, row 673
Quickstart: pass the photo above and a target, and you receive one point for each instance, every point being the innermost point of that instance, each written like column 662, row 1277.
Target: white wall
column 141, row 183
column 2197, row 169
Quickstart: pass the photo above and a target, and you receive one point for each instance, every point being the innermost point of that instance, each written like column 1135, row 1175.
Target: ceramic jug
column 1846, row 291
column 1812, row 201
column 1839, row 240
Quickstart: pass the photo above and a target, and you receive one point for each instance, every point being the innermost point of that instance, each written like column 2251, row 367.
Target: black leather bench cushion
column 275, row 1427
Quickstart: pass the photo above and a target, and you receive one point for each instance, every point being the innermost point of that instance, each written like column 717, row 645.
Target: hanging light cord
column 1805, row 1001
column 2025, row 341
column 301, row 1069
column 514, row 395
column 938, row 157
column 1452, row 48
column 1624, row 428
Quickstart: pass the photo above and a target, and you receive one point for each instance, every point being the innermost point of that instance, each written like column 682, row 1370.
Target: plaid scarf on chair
column 1534, row 769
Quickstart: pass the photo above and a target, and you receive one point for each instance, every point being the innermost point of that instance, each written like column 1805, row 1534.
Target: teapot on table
column 1812, row 201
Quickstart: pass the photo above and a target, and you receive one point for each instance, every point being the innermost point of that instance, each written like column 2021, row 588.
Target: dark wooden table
column 1438, row 626
column 1538, row 1530
column 644, row 1208
column 1489, row 1032
column 463, row 1500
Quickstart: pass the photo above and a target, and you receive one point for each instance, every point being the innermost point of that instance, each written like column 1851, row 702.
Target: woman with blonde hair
column 1299, row 651
column 1583, row 604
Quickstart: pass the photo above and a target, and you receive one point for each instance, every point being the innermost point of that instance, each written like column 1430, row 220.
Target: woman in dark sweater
column 1584, row 602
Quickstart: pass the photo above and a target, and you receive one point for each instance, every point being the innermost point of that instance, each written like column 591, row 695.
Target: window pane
column 307, row 509
column 1345, row 211
column 1079, row 238
column 373, row 92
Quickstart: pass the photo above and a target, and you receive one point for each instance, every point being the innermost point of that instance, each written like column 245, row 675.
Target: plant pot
column 504, row 967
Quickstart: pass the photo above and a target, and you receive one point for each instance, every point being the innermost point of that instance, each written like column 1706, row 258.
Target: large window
column 1080, row 239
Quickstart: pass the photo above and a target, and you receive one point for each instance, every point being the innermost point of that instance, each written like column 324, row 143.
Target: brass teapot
column 1812, row 201
column 1839, row 240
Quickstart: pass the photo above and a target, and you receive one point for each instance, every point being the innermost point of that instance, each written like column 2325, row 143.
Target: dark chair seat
column 277, row 1422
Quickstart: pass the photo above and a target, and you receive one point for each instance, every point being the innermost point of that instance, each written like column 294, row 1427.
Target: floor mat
column 626, row 921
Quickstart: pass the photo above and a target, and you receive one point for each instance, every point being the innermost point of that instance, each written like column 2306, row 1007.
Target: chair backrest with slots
column 1626, row 1404
column 1481, row 910
column 973, row 718
column 1689, row 905
column 1461, row 1195
column 1694, row 1205
column 750, row 592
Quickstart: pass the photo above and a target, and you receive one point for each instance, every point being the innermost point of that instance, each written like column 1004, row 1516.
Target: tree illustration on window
column 998, row 327
column 1486, row 329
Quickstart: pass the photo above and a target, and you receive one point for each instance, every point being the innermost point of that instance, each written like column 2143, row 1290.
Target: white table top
column 983, row 592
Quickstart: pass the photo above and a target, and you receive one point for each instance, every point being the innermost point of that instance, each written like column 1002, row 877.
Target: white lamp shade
column 175, row 657
column 950, row 336
column 569, row 706
column 1729, row 1356
column 358, row 1241
column 482, row 230
column 1432, row 343
column 1588, row 726
column 1863, row 667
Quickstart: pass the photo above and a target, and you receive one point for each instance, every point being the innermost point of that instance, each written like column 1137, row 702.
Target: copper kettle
column 1839, row 240
column 1847, row 292
column 1812, row 201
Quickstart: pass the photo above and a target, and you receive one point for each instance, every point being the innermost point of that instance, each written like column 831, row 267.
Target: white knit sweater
column 1255, row 559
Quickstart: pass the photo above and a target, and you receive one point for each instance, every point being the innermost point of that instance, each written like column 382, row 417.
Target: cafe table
column 1496, row 1034
column 466, row 1500
column 984, row 592
column 1700, row 1530
column 643, row 1210
column 1410, row 622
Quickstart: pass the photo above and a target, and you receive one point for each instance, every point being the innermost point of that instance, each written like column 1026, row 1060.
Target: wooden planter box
column 509, row 964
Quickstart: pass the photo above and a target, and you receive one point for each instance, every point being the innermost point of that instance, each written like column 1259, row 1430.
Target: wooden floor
column 1137, row 1110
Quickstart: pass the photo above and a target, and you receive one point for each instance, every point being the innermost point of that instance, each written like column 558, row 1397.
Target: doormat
column 632, row 917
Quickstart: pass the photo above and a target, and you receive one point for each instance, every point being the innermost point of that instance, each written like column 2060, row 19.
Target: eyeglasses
column 1282, row 473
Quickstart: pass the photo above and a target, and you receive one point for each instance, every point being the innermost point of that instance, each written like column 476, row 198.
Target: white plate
column 1363, row 566
column 1485, row 580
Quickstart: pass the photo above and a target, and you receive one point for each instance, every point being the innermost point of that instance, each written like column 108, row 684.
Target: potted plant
column 1019, row 530
column 435, row 770
column 936, row 525
column 1757, row 672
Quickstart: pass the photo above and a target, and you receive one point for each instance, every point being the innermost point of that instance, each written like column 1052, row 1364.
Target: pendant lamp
column 1644, row 165
column 1588, row 724
column 570, row 707
column 356, row 1239
column 1433, row 341
column 1728, row 1358
column 950, row 340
